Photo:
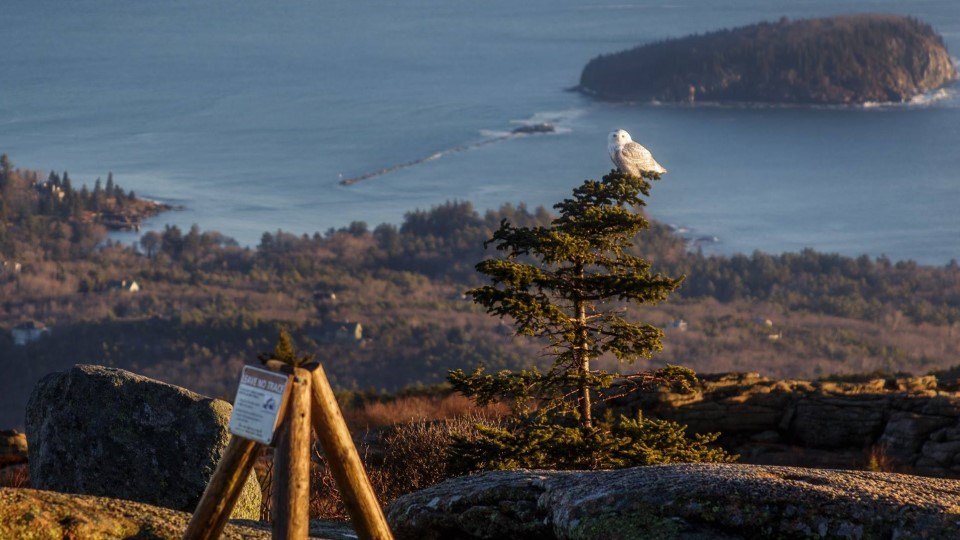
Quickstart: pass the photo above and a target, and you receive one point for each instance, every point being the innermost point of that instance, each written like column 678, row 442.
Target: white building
column 28, row 332
column 123, row 285
column 10, row 266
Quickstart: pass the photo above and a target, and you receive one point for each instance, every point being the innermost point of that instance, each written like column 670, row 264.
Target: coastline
column 132, row 216
column 931, row 98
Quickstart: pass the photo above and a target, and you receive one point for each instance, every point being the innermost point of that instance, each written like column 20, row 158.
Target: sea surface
column 249, row 113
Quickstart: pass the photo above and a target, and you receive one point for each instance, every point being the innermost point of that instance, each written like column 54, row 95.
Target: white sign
column 257, row 406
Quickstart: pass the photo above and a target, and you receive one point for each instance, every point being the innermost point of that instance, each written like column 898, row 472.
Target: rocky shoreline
column 132, row 215
column 853, row 59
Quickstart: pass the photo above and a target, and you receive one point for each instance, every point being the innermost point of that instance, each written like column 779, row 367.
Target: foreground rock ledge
column 689, row 501
column 32, row 513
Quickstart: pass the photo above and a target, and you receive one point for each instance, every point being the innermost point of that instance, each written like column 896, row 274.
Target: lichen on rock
column 108, row 432
column 689, row 501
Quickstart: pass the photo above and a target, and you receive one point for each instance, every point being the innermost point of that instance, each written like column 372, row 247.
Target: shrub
column 610, row 444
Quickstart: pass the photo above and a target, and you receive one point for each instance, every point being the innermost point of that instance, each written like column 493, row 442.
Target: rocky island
column 837, row 60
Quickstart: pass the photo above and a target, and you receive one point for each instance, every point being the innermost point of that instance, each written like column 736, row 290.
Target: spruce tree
column 6, row 167
column 568, row 283
column 285, row 351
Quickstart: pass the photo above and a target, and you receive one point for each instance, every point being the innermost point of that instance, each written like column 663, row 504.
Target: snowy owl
column 630, row 157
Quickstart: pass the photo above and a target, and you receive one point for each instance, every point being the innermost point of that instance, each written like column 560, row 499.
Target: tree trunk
column 586, row 410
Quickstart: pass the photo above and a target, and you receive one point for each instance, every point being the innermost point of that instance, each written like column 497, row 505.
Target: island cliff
column 837, row 60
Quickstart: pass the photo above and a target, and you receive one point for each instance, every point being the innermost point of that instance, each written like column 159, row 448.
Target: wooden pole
column 344, row 462
column 223, row 490
column 291, row 463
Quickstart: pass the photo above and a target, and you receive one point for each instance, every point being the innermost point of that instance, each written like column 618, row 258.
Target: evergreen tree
column 98, row 196
column 151, row 242
column 565, row 282
column 172, row 241
column 6, row 167
column 580, row 265
column 285, row 352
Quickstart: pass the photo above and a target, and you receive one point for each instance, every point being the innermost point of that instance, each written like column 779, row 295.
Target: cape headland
column 851, row 59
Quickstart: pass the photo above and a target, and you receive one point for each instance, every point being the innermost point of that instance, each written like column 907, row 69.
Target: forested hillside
column 206, row 306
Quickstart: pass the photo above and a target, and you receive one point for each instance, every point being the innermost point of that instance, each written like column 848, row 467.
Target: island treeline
column 384, row 307
column 50, row 218
column 840, row 60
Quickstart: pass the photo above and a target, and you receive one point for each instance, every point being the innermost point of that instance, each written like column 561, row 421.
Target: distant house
column 338, row 332
column 324, row 295
column 10, row 266
column 679, row 325
column 123, row 285
column 51, row 190
column 28, row 332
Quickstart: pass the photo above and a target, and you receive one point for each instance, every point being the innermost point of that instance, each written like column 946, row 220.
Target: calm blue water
column 249, row 113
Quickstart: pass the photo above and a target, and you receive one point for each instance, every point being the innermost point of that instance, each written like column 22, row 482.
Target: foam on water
column 939, row 97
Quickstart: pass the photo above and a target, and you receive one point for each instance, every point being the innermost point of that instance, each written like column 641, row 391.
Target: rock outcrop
column 692, row 501
column 29, row 513
column 108, row 432
column 842, row 60
column 910, row 423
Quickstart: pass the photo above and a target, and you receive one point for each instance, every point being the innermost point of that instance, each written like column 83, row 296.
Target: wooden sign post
column 358, row 496
column 291, row 463
column 308, row 400
column 223, row 490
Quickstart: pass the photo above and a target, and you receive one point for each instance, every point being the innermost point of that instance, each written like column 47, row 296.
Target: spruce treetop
column 579, row 262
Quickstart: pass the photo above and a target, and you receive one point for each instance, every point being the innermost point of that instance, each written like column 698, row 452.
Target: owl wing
column 636, row 153
column 639, row 157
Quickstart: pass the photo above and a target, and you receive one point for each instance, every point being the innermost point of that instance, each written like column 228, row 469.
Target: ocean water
column 248, row 114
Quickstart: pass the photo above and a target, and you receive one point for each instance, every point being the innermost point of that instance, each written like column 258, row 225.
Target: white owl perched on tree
column 630, row 157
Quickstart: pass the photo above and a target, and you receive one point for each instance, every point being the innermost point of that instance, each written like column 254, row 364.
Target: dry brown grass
column 403, row 444
column 417, row 409
column 15, row 476
column 263, row 468
column 399, row 460
column 878, row 460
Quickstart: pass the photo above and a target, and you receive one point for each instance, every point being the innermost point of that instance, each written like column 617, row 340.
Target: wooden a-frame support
column 309, row 402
